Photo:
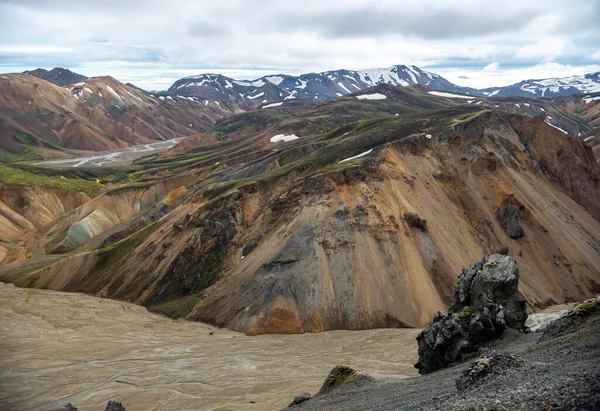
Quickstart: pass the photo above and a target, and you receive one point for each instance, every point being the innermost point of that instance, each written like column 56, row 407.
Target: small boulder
column 482, row 368
column 114, row 406
column 299, row 399
column 342, row 375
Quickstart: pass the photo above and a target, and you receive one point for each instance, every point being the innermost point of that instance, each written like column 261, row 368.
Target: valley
column 114, row 157
column 240, row 249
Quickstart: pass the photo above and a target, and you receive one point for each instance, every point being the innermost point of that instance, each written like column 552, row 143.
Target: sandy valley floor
column 60, row 347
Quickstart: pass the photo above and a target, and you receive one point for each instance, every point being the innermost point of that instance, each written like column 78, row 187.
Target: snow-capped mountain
column 550, row 87
column 314, row 86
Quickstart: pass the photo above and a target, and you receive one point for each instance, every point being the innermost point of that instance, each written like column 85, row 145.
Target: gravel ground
column 562, row 373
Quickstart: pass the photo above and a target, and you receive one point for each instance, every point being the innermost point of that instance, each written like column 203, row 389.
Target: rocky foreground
column 495, row 364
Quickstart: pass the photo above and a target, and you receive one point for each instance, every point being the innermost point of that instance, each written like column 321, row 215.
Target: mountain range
column 332, row 84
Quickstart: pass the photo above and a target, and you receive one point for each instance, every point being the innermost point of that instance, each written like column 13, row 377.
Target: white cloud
column 547, row 49
column 290, row 37
column 481, row 78
column 491, row 67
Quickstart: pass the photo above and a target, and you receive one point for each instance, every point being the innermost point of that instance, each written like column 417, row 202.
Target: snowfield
column 356, row 156
column 374, row 96
column 284, row 138
column 273, row 105
column 450, row 95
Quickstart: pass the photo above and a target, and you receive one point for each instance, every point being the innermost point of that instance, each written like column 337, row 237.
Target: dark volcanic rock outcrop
column 486, row 301
column 508, row 217
column 114, row 406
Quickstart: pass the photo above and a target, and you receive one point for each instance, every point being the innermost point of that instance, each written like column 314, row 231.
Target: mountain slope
column 58, row 76
column 312, row 86
column 291, row 219
column 39, row 119
column 550, row 87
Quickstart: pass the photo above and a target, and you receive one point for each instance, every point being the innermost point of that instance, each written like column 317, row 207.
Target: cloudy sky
column 477, row 43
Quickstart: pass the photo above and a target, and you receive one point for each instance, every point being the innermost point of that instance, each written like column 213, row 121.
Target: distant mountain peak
column 58, row 75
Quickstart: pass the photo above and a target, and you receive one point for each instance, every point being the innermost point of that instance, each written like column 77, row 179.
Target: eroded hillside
column 356, row 213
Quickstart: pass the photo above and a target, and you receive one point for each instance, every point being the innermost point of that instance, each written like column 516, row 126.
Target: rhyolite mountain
column 58, row 75
column 39, row 119
column 352, row 213
column 312, row 86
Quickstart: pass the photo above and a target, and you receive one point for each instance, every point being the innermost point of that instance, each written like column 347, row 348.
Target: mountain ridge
column 314, row 86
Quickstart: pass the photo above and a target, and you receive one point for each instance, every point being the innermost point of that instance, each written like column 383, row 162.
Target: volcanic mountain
column 312, row 86
column 353, row 213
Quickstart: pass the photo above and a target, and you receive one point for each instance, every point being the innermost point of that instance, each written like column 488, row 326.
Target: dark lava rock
column 248, row 248
column 299, row 399
column 414, row 220
column 576, row 315
column 114, row 406
column 503, row 250
column 480, row 369
column 486, row 301
column 342, row 375
column 508, row 217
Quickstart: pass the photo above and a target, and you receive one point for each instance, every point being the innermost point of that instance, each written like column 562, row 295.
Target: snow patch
column 344, row 87
column 284, row 137
column 374, row 96
column 275, row 79
column 273, row 105
column 356, row 156
column 113, row 92
column 590, row 99
column 450, row 95
column 558, row 128
column 262, row 93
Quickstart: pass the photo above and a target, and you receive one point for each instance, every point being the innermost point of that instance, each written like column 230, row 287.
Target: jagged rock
column 480, row 369
column 572, row 318
column 299, row 399
column 114, row 406
column 341, row 375
column 508, row 217
column 486, row 301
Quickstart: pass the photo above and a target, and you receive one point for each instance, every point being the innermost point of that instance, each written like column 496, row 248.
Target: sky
column 152, row 43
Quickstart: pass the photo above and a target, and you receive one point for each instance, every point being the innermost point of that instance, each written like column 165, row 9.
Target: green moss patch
column 14, row 176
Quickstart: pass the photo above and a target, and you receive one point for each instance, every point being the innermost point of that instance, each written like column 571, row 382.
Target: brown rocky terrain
column 39, row 119
column 325, row 231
